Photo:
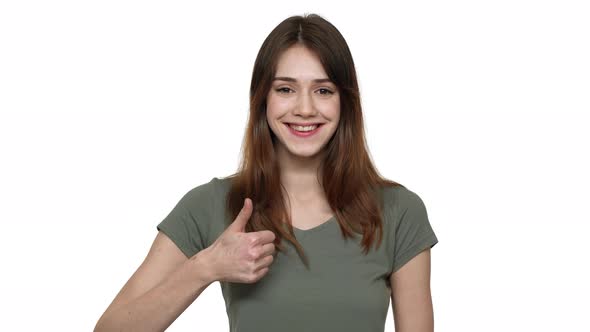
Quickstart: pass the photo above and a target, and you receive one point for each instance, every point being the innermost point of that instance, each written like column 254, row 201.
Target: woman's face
column 295, row 98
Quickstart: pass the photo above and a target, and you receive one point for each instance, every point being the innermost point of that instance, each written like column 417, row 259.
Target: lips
column 303, row 133
column 303, row 124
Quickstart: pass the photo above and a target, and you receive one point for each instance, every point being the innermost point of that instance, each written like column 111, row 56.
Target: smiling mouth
column 294, row 125
column 303, row 124
column 302, row 133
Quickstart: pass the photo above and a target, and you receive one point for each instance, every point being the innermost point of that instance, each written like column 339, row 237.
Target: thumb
column 239, row 224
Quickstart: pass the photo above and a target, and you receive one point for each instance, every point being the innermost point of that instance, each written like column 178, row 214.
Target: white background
column 110, row 111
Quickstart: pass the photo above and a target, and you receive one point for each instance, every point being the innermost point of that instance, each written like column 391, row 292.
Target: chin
column 305, row 153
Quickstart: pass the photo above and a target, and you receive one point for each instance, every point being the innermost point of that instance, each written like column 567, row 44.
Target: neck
column 301, row 176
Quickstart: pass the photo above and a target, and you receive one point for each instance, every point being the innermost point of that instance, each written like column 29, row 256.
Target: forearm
column 159, row 307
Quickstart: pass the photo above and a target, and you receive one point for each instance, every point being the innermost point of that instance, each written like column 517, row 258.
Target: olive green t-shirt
column 344, row 289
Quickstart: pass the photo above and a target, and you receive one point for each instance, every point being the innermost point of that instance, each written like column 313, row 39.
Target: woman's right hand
column 237, row 256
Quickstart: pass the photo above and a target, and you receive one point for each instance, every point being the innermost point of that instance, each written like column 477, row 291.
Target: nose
column 305, row 106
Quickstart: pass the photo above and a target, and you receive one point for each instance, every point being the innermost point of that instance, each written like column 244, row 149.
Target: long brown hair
column 350, row 181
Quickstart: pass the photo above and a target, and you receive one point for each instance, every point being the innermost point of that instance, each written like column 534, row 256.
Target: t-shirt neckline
column 316, row 228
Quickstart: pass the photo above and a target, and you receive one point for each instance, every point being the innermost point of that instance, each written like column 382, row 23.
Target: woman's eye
column 323, row 91
column 283, row 90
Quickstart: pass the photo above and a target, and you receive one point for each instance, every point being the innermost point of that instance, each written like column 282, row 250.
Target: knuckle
column 251, row 267
column 253, row 239
column 253, row 254
column 252, row 277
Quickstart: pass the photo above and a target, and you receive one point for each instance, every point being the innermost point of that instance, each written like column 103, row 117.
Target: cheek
column 271, row 108
column 335, row 111
column 272, row 105
column 276, row 110
column 278, row 104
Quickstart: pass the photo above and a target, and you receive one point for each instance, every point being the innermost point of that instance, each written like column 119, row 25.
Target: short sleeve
column 181, row 226
column 413, row 232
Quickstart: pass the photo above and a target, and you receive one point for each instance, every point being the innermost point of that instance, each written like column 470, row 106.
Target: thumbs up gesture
column 237, row 256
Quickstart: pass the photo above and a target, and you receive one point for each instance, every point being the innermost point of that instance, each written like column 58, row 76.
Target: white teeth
column 301, row 128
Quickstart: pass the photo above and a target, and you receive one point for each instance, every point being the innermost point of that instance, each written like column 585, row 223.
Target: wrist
column 202, row 267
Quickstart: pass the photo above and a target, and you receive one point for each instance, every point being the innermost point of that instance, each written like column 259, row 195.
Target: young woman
column 306, row 236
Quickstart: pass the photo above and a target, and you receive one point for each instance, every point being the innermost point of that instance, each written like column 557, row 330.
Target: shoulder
column 206, row 205
column 205, row 195
column 400, row 202
column 400, row 198
column 201, row 191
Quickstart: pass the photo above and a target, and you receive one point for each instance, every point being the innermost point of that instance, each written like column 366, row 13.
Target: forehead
column 300, row 63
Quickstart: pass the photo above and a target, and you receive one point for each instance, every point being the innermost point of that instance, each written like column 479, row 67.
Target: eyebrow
column 291, row 79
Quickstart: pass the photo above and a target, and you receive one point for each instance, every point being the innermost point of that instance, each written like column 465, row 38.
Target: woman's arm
column 410, row 295
column 165, row 284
